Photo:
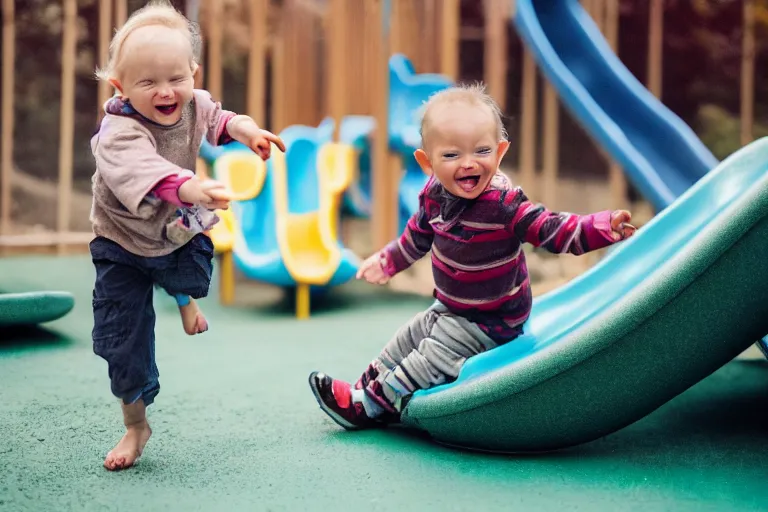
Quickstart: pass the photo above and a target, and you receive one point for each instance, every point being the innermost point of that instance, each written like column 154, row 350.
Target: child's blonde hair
column 472, row 94
column 156, row 12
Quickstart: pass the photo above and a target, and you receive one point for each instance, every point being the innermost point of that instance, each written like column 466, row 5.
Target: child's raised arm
column 223, row 126
column 559, row 232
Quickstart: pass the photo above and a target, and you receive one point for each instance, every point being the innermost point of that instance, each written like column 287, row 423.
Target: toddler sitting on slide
column 475, row 223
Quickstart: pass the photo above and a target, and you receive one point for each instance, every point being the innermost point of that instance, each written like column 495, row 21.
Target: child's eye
column 177, row 79
column 450, row 154
column 145, row 83
column 484, row 151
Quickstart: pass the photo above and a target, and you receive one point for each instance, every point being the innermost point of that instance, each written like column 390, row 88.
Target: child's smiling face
column 156, row 73
column 462, row 147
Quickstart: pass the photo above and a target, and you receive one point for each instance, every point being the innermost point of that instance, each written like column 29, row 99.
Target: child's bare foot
column 192, row 318
column 131, row 446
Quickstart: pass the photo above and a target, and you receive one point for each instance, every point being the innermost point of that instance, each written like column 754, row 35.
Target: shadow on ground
column 20, row 338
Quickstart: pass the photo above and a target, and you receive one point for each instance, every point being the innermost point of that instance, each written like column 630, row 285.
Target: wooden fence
column 314, row 59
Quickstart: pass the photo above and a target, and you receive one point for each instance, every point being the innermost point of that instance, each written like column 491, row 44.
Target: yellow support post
column 302, row 301
column 227, row 278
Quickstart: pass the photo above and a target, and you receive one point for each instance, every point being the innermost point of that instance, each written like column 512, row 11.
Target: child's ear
column 114, row 82
column 502, row 149
column 196, row 75
column 423, row 160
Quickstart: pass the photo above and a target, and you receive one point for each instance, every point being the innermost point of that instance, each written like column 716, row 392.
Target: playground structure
column 357, row 113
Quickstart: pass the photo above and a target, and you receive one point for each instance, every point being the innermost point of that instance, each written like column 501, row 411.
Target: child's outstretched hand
column 372, row 271
column 210, row 194
column 620, row 225
column 245, row 130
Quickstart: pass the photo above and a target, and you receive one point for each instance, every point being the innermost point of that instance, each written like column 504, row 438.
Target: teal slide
column 658, row 152
column 665, row 309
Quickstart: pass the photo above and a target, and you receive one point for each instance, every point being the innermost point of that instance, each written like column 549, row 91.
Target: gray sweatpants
column 426, row 352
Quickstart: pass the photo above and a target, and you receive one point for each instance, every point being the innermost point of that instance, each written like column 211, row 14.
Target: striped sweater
column 478, row 263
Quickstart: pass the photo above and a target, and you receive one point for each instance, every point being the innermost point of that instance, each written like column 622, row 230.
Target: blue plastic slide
column 285, row 229
column 659, row 153
column 684, row 296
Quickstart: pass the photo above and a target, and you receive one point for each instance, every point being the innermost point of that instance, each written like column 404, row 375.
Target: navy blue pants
column 123, row 311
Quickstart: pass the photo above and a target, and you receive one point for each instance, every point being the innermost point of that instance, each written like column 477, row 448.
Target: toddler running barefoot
column 149, row 209
column 475, row 223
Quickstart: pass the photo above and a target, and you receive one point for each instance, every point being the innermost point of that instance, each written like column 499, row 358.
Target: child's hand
column 372, row 271
column 620, row 225
column 261, row 143
column 245, row 130
column 210, row 194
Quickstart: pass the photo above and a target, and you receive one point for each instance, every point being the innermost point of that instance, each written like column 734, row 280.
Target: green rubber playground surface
column 237, row 428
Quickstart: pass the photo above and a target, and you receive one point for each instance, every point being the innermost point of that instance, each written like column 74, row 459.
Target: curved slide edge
column 32, row 308
column 628, row 335
column 659, row 153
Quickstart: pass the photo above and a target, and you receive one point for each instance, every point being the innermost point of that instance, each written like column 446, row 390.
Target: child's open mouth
column 468, row 183
column 166, row 109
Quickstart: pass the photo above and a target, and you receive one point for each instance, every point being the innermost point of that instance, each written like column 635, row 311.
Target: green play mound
column 34, row 307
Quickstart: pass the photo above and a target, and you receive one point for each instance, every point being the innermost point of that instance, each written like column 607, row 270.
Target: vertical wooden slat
column 617, row 180
column 396, row 28
column 528, row 116
column 258, row 11
column 6, row 147
column 105, row 34
column 300, row 58
column 214, row 84
column 66, row 120
column 655, row 46
column 449, row 38
column 383, row 216
column 336, row 69
column 429, row 48
column 748, row 73
column 370, row 62
column 278, row 85
column 495, row 54
column 356, row 78
column 121, row 12
column 551, row 148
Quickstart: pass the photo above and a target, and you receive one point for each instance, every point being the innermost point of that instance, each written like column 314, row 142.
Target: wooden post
column 6, row 147
column 290, row 54
column 748, row 73
column 429, row 50
column 551, row 145
column 655, row 35
column 357, row 78
column 384, row 214
column 449, row 52
column 105, row 35
column 618, row 182
column 495, row 55
column 336, row 70
column 258, row 11
column 277, row 122
column 214, row 50
column 66, row 120
column 121, row 12
column 528, row 125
